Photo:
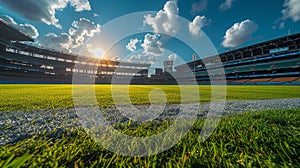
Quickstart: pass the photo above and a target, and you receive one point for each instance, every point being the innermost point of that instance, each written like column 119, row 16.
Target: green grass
column 32, row 97
column 269, row 138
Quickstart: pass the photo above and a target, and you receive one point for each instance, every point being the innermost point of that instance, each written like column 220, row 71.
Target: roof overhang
column 8, row 33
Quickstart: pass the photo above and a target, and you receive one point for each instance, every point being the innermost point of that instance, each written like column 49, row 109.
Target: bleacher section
column 284, row 79
column 287, row 64
column 239, row 80
column 23, row 63
column 272, row 62
column 260, row 80
column 41, row 66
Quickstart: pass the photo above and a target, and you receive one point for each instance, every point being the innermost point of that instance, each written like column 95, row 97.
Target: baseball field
column 265, row 137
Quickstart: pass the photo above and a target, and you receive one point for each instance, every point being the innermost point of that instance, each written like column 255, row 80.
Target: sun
column 98, row 53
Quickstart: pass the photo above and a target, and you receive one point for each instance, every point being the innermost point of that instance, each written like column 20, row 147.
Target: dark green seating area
column 245, row 68
column 201, row 73
column 264, row 66
column 255, row 67
column 287, row 64
column 230, row 70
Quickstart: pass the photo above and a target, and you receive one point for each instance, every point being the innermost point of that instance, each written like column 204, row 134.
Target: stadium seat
column 201, row 73
column 241, row 80
column 287, row 64
column 263, row 66
column 230, row 70
column 284, row 79
column 246, row 68
column 260, row 80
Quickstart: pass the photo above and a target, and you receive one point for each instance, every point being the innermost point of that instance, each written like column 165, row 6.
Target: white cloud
column 292, row 10
column 172, row 57
column 166, row 20
column 152, row 45
column 197, row 24
column 131, row 46
column 198, row 7
column 147, row 58
column 82, row 29
column 80, row 5
column 45, row 10
column 239, row 33
column 26, row 28
column 76, row 36
column 282, row 25
column 62, row 41
column 226, row 5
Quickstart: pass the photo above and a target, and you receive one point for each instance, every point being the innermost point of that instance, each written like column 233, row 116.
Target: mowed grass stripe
column 33, row 97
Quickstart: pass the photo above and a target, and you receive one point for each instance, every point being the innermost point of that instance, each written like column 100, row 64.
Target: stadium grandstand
column 272, row 62
column 23, row 63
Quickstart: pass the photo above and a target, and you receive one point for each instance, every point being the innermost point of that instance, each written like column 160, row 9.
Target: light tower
column 168, row 66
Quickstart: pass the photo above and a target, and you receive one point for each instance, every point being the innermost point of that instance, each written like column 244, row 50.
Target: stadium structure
column 24, row 63
column 272, row 62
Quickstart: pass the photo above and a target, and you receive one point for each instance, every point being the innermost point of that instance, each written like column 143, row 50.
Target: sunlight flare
column 98, row 53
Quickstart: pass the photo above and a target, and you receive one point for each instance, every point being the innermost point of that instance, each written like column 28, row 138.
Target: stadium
column 23, row 63
column 48, row 118
column 272, row 62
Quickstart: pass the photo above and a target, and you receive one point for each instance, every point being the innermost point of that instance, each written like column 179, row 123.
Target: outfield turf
column 269, row 138
column 32, row 97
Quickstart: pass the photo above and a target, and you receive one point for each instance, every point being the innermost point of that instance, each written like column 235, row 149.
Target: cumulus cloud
column 80, row 5
column 26, row 28
column 62, row 41
column 172, row 57
column 147, row 58
column 226, row 5
column 131, row 46
column 82, row 29
column 198, row 7
column 197, row 24
column 291, row 10
column 152, row 45
column 76, row 36
column 45, row 10
column 166, row 20
column 239, row 33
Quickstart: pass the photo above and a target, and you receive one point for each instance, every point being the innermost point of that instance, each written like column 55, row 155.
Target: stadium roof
column 8, row 33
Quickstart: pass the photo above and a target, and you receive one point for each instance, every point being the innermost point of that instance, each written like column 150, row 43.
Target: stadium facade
column 23, row 63
column 272, row 62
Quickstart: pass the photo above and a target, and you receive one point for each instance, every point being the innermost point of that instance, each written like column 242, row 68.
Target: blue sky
column 228, row 24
